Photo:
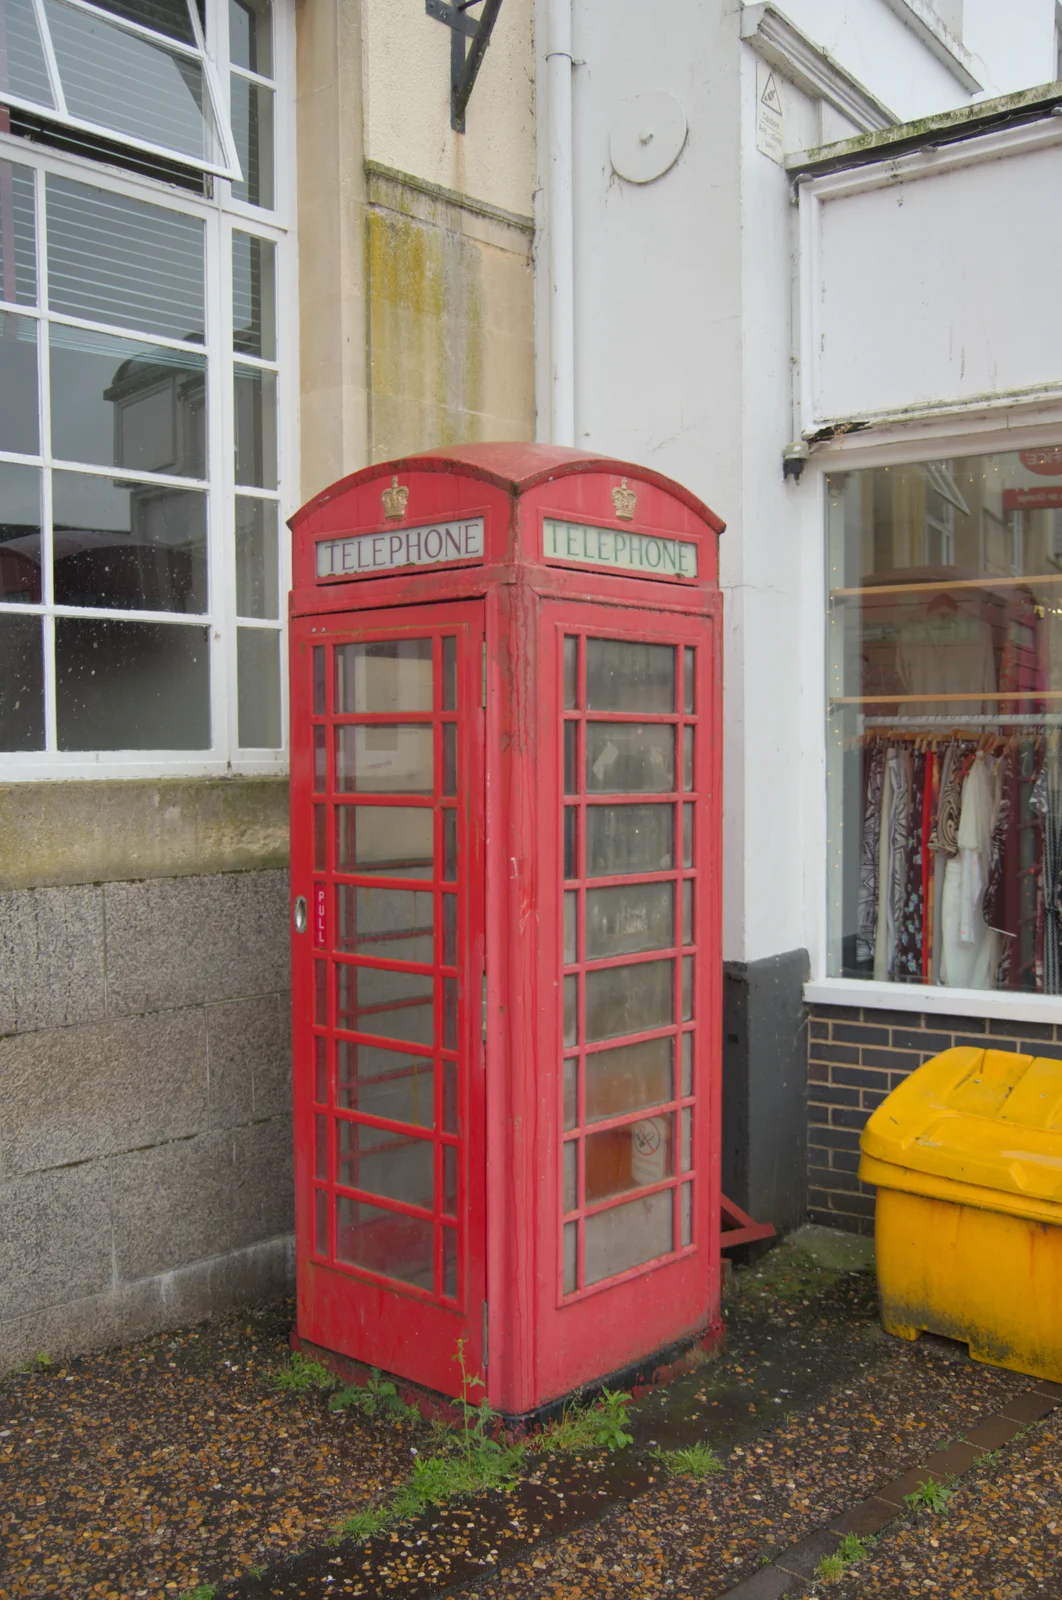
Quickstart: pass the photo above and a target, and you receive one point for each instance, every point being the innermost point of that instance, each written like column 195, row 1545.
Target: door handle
column 299, row 914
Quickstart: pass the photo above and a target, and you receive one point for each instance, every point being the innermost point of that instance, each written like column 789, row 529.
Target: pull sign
column 319, row 905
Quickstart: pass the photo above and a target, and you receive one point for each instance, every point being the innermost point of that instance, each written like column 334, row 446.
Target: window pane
column 571, row 673
column 449, row 1238
column 687, row 758
column 624, row 676
column 449, row 762
column 251, row 117
column 254, row 296
column 385, row 1242
column 385, row 1163
column 629, row 999
column 450, row 846
column 20, row 533
column 630, row 758
column 449, row 930
column 571, row 1076
column 384, row 1083
column 385, row 758
column 384, row 676
column 690, row 682
column 258, row 688
column 22, row 68
column 112, row 259
column 628, row 1077
column 571, row 1010
column 629, row 918
column 257, row 558
column 256, row 427
column 626, row 839
column 18, row 245
column 131, row 685
column 571, row 1257
column 571, row 747
column 385, row 841
column 251, row 35
column 18, row 384
column 21, row 683
column 131, row 86
column 571, row 1169
column 632, row 1157
column 387, row 924
column 687, row 913
column 394, row 1005
column 129, row 546
column 628, row 1235
column 121, row 403
column 165, row 16
column 571, row 913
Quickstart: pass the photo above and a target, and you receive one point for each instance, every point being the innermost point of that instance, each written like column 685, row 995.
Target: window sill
column 934, row 1000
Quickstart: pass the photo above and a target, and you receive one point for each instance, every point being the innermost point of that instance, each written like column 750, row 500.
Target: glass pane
column 385, row 1083
column 258, row 688
column 687, row 1063
column 320, row 1077
column 449, row 683
column 254, row 296
column 255, row 399
column 630, row 758
column 18, row 243
column 571, row 767
column 449, row 743
column 571, row 1167
column 687, row 912
column 128, row 546
column 631, row 917
column 571, row 912
column 257, row 565
column 112, row 259
column 687, row 988
column 320, row 761
column 389, row 924
column 251, row 35
column 571, row 674
column 449, row 1204
column 571, row 834
column 687, row 835
column 131, row 685
column 628, row 839
column 571, row 1010
column 318, row 681
column 320, row 1148
column 122, row 403
column 386, row 1242
column 449, row 930
column 164, row 16
column 624, row 676
column 18, row 384
column 449, row 1013
column 629, row 999
column 320, row 993
column 687, row 1213
column 386, row 676
column 627, row 1078
column 687, row 1140
column 251, row 118
column 130, row 86
column 22, row 68
column 386, row 1163
column 20, row 533
column 687, row 758
column 449, row 1239
column 571, row 1072
column 450, row 846
column 393, row 1005
column 385, row 758
column 385, row 841
column 690, row 681
column 320, row 1229
column 627, row 1235
column 451, row 1121
column 21, row 683
column 632, row 1157
column 320, row 838
column 571, row 1256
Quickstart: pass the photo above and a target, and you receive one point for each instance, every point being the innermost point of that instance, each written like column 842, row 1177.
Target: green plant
column 303, row 1373
column 377, row 1394
column 697, row 1461
column 929, row 1496
column 830, row 1568
column 852, row 1548
column 42, row 1362
column 362, row 1524
column 257, row 1571
column 612, row 1420
column 202, row 1591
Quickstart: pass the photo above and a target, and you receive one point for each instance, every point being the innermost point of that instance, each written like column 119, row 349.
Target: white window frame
column 221, row 216
column 940, row 438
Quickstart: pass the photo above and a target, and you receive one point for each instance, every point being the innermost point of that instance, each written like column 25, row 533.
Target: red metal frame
column 534, row 1337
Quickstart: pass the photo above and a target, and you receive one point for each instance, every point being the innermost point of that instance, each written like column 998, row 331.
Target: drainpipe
column 560, row 221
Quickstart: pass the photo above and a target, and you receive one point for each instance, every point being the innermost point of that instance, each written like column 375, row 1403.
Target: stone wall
column 145, row 1099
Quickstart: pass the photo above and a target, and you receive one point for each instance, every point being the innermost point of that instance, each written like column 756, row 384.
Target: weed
column 202, row 1591
column 257, row 1571
column 852, row 1548
column 698, row 1461
column 929, row 1496
column 362, row 1524
column 611, row 1414
column 42, row 1362
column 378, row 1394
column 830, row 1568
column 580, row 1428
column 303, row 1373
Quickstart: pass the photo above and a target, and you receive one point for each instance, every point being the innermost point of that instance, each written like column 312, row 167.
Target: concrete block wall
column 145, row 1102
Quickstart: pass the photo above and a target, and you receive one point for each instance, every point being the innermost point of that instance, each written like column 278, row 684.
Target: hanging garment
column 1001, row 891
column 970, row 948
column 929, row 860
column 1046, row 801
column 881, row 930
column 867, row 916
column 908, row 964
column 901, row 778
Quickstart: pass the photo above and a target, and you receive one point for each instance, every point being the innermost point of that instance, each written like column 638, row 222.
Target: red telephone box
column 505, row 694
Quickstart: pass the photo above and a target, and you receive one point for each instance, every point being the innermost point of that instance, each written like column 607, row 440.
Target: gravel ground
column 148, row 1470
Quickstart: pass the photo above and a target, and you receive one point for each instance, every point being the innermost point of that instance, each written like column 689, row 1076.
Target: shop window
column 945, row 722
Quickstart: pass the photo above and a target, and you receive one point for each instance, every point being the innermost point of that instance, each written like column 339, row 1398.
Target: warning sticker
column 768, row 113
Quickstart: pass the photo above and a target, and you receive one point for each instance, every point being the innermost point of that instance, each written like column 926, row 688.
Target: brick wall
column 856, row 1056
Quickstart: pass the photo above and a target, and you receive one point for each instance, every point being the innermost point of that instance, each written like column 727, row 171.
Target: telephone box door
column 387, row 827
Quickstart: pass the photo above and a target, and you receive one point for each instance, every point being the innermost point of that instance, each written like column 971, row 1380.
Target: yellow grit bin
column 967, row 1158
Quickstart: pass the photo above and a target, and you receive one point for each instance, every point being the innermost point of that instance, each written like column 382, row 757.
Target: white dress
column 970, row 949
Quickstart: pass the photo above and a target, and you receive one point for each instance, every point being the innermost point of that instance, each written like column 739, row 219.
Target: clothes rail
column 1007, row 720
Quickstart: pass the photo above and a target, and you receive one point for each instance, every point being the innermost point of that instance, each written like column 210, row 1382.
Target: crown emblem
column 624, row 500
column 395, row 499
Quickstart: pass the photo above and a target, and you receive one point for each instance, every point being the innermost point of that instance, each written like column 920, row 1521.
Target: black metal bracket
column 464, row 68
